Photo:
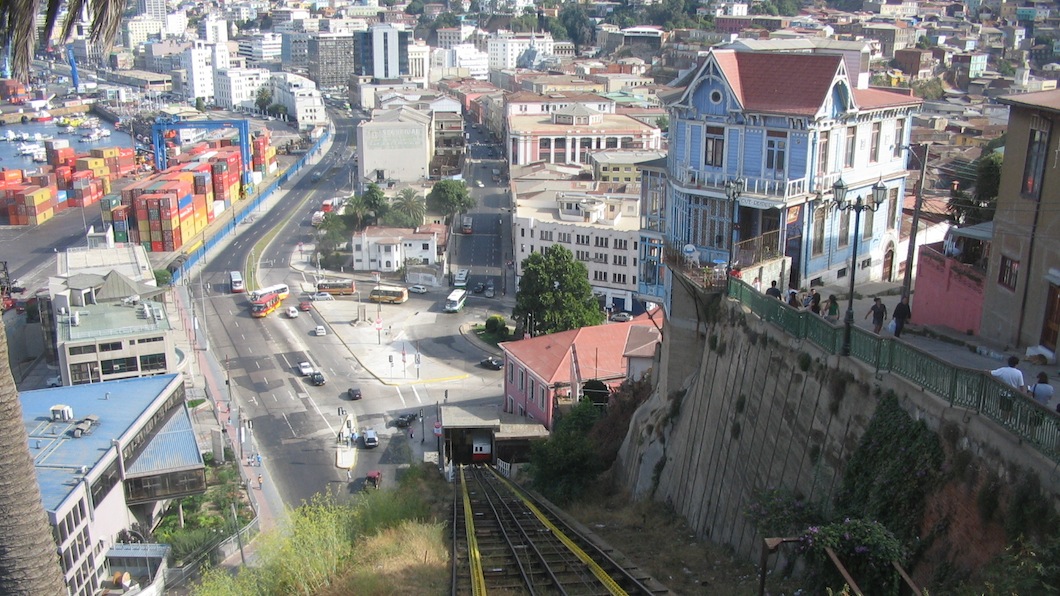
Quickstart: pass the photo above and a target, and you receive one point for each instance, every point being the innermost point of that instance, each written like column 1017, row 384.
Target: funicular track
column 506, row 541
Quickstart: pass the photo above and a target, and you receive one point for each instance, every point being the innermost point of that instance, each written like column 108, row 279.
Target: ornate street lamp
column 733, row 190
column 839, row 201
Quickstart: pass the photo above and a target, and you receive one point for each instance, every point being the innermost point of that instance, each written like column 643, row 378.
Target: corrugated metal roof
column 173, row 447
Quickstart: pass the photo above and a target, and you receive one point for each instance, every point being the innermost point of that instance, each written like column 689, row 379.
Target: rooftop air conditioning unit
column 62, row 413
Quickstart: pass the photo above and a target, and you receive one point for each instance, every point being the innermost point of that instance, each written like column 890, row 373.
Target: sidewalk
column 949, row 345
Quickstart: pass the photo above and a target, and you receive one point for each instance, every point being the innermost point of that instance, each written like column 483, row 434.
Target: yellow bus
column 389, row 294
column 342, row 287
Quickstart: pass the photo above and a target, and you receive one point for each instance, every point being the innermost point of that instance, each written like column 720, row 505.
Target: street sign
column 379, row 324
column 437, row 429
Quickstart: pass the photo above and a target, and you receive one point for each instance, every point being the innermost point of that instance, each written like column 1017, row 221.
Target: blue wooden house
column 782, row 128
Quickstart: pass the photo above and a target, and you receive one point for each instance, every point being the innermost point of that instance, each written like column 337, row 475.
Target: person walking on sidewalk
column 412, row 433
column 832, row 309
column 1042, row 391
column 902, row 314
column 261, row 482
column 879, row 313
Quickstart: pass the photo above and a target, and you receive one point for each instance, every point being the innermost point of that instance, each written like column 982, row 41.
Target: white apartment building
column 602, row 229
column 463, row 56
column 419, row 63
column 137, row 30
column 238, row 87
column 301, row 97
column 153, row 8
column 199, row 62
column 453, row 36
column 261, row 48
column 287, row 15
column 389, row 249
column 505, row 47
column 528, row 103
column 213, row 29
column 176, row 24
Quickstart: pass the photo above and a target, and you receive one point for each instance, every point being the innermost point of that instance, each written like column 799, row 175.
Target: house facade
column 786, row 127
column 389, row 249
column 1021, row 303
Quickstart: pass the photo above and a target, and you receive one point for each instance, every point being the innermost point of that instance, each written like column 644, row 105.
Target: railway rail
column 506, row 540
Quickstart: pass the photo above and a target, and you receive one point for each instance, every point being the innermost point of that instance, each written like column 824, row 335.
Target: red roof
column 780, row 83
column 601, row 350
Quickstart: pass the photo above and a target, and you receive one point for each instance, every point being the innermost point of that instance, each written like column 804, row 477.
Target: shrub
column 495, row 323
column 866, row 548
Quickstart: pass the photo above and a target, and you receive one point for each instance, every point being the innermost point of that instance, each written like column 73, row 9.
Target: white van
column 292, row 312
column 321, row 330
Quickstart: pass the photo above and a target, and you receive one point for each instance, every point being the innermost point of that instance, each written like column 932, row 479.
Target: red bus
column 265, row 305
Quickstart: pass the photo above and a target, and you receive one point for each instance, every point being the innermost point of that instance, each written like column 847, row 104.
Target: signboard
column 437, row 429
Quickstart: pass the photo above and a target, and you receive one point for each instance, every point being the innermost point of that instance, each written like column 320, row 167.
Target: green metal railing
column 960, row 387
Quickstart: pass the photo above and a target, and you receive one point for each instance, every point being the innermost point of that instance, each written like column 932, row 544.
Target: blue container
column 61, row 197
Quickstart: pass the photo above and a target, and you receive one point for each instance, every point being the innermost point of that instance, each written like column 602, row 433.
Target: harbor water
column 82, row 140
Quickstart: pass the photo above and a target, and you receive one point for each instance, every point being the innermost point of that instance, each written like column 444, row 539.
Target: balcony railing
column 759, row 249
column 753, row 186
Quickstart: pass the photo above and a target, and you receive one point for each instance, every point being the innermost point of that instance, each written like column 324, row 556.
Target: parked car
column 305, row 306
column 489, row 293
column 317, row 378
column 305, row 368
column 292, row 312
column 322, row 297
column 405, row 420
column 479, row 288
column 418, row 289
column 622, row 317
column 492, row 362
column 320, row 330
column 354, row 393
column 56, row 381
column 371, row 439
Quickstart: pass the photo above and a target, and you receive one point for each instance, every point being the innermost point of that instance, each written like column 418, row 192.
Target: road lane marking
column 315, row 407
column 293, row 434
column 401, row 397
column 417, row 394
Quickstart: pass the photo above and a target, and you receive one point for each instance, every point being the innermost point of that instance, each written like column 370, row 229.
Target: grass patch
column 492, row 337
column 195, row 403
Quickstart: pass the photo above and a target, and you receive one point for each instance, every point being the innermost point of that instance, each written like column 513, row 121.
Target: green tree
column 355, row 214
column 278, row 109
column 562, row 466
column 576, row 22
column 411, row 204
column 200, row 104
column 663, row 122
column 375, row 202
column 331, row 234
column 450, row 197
column 554, row 294
column 263, row 99
column 988, row 177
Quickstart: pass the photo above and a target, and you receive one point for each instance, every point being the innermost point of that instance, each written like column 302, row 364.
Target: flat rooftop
column 611, row 123
column 58, row 457
column 112, row 319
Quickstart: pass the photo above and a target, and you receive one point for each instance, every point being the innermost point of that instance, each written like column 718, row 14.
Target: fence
column 758, row 249
column 961, row 387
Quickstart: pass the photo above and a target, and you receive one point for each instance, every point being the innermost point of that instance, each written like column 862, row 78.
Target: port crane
column 162, row 125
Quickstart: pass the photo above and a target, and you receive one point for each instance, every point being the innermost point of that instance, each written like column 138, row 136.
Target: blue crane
column 74, row 78
column 162, row 125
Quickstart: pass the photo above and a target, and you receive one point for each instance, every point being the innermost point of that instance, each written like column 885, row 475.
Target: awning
column 983, row 232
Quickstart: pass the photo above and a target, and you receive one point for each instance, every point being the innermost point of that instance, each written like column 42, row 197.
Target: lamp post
column 733, row 190
column 839, row 201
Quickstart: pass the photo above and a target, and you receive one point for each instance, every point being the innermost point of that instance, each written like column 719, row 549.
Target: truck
column 318, row 218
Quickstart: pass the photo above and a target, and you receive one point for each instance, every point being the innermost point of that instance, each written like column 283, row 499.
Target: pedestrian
column 1042, row 391
column 793, row 296
column 258, row 457
column 1010, row 375
column 815, row 302
column 831, row 311
column 902, row 314
column 773, row 290
column 349, row 475
column 757, row 284
column 261, row 482
column 879, row 313
column 412, row 433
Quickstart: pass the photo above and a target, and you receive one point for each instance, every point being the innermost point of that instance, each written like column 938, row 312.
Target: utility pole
column 907, row 281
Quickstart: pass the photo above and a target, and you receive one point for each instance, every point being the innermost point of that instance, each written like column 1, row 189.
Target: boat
column 9, row 135
column 40, row 156
column 29, row 148
column 67, row 130
column 43, row 116
column 89, row 123
column 71, row 121
column 94, row 135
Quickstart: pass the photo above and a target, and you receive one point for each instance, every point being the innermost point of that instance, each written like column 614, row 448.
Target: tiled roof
column 867, row 99
column 601, row 351
column 780, row 83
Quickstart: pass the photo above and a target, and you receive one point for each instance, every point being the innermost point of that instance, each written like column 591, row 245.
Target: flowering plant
column 865, row 547
column 780, row 512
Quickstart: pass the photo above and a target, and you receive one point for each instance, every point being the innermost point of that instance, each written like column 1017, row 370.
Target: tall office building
column 154, row 8
column 383, row 52
column 331, row 59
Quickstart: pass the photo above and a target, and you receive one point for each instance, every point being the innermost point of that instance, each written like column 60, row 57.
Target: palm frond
column 19, row 34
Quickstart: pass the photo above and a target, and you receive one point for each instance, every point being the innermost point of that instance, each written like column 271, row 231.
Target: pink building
column 538, row 372
column 568, row 135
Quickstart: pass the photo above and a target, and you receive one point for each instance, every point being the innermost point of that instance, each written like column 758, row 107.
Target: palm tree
column 28, row 564
column 355, row 215
column 411, row 204
column 18, row 26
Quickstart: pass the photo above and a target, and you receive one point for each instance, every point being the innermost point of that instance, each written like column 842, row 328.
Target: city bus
column 465, row 224
column 389, row 294
column 460, row 280
column 342, row 287
column 281, row 289
column 455, row 301
column 235, row 281
column 265, row 305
